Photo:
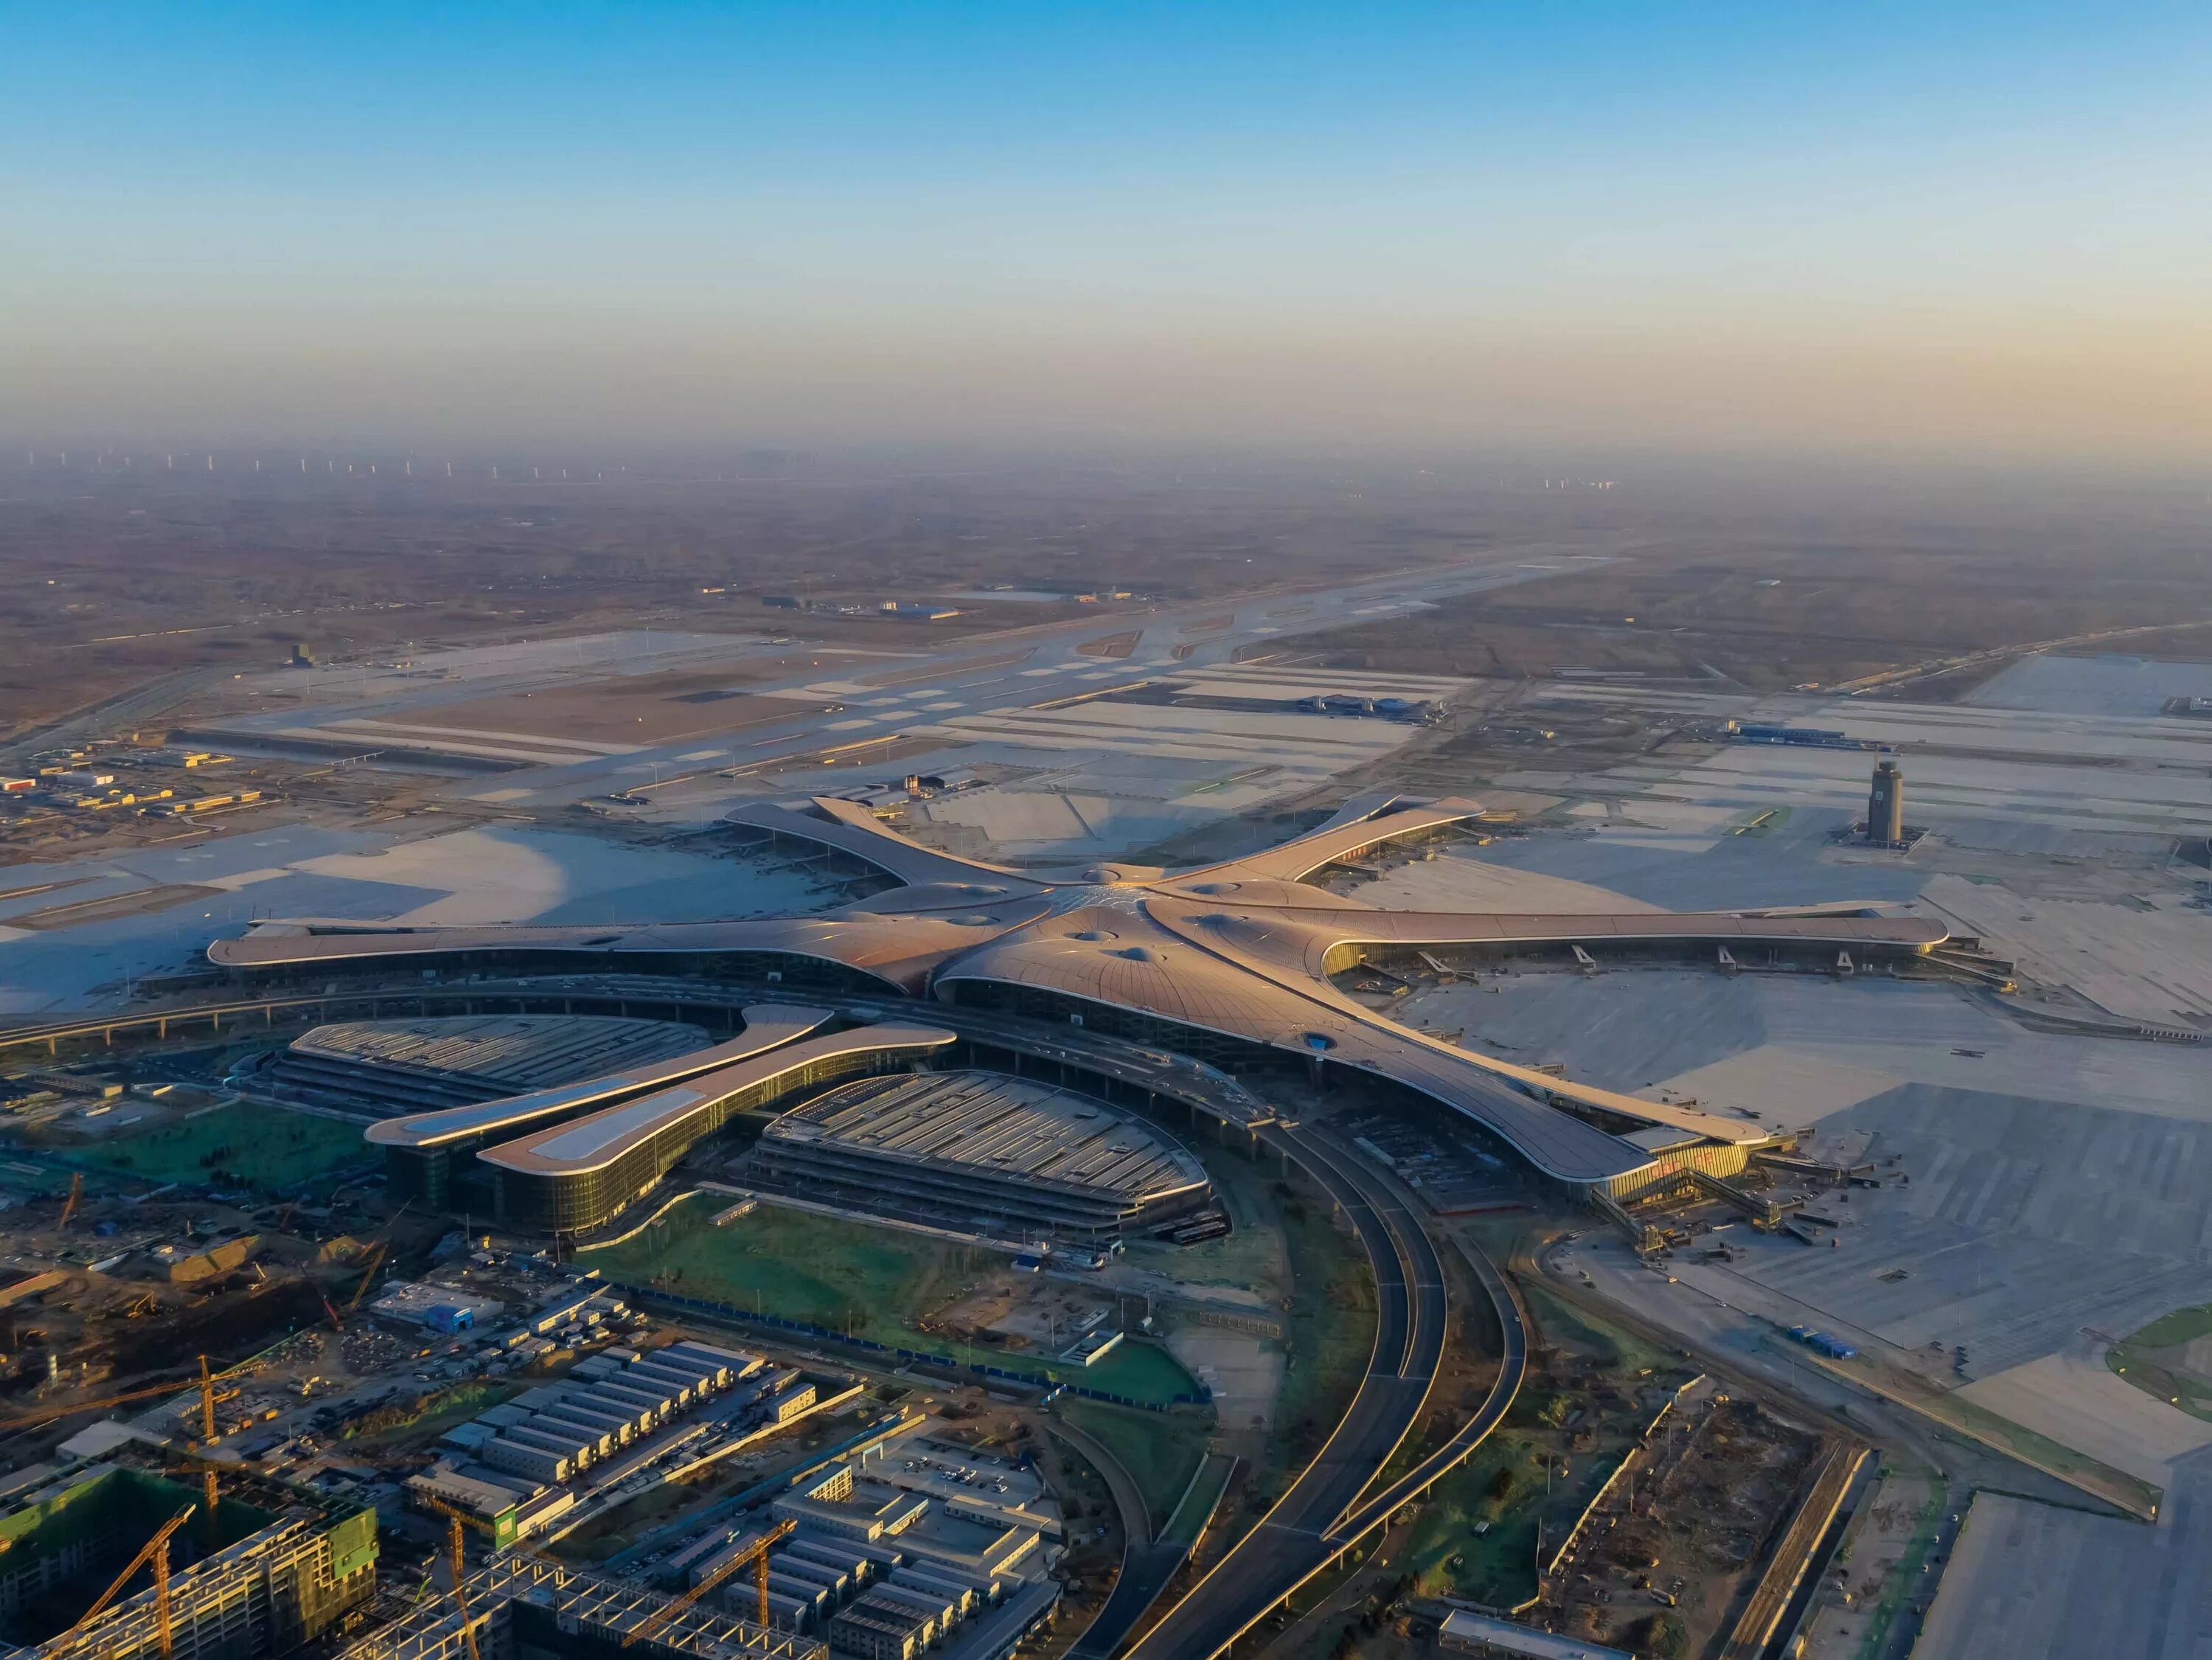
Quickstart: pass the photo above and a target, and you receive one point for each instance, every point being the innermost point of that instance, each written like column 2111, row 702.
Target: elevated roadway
column 1302, row 1534
column 1334, row 1503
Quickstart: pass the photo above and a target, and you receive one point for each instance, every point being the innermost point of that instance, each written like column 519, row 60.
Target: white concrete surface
column 2074, row 1398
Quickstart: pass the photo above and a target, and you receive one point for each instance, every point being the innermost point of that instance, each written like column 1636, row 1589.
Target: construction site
column 237, row 1564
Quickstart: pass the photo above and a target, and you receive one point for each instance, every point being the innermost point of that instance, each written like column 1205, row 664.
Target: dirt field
column 655, row 709
column 1771, row 618
column 151, row 587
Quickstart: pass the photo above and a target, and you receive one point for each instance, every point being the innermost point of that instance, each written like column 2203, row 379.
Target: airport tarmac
column 2057, row 1185
column 2114, row 684
column 2026, row 1581
column 196, row 890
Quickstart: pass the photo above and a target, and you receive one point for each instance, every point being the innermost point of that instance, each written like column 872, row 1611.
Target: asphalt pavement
column 1297, row 1539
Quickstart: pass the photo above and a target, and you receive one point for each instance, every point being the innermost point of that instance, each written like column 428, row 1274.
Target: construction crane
column 368, row 1274
column 455, row 1539
column 205, row 1383
column 70, row 1205
column 156, row 1550
column 209, row 1395
column 755, row 1554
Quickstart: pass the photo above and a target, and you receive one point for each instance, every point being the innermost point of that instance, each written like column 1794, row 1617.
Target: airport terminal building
column 1235, row 965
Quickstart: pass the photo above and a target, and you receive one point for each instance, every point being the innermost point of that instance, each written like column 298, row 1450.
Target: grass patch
column 1948, row 1406
column 245, row 1144
column 1199, row 1504
column 2182, row 1326
column 1503, row 1485
column 1905, row 1578
column 1612, row 1348
column 1329, row 1335
column 854, row 1277
column 1161, row 1451
column 2175, row 1386
column 2153, row 1360
column 1247, row 1257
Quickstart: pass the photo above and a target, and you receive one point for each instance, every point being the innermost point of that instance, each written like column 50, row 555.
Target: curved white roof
column 591, row 1143
column 768, row 1026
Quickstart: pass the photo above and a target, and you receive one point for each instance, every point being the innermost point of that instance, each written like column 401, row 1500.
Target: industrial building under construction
column 272, row 1568
column 517, row 1604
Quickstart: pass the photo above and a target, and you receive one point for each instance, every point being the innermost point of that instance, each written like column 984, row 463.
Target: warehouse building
column 502, row 1464
column 980, row 1149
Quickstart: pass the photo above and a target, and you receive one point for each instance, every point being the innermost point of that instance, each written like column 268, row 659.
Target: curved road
column 1304, row 1533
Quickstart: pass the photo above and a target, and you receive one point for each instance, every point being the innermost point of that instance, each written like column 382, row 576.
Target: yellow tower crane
column 205, row 1383
column 455, row 1517
column 69, row 1205
column 156, row 1550
column 755, row 1555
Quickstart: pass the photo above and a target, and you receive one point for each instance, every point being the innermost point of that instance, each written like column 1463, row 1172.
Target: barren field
column 1771, row 618
column 639, row 709
column 115, row 580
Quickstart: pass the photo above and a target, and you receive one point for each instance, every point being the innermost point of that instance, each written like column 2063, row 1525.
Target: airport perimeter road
column 1298, row 1537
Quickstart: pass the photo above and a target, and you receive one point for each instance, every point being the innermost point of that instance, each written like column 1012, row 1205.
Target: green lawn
column 1198, row 1504
column 1331, row 1333
column 2182, row 1326
column 263, row 1147
column 854, row 1277
column 1160, row 1452
column 1496, row 1565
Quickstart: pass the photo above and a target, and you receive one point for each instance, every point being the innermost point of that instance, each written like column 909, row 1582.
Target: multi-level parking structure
column 980, row 1147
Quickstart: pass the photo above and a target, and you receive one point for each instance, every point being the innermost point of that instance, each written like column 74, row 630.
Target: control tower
column 1886, row 804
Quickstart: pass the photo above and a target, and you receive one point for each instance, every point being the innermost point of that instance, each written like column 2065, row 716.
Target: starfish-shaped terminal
column 1229, row 963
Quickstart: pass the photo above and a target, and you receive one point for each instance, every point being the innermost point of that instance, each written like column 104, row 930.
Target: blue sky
column 1972, row 227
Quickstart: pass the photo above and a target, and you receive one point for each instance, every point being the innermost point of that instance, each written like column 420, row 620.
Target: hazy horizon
column 1967, row 236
